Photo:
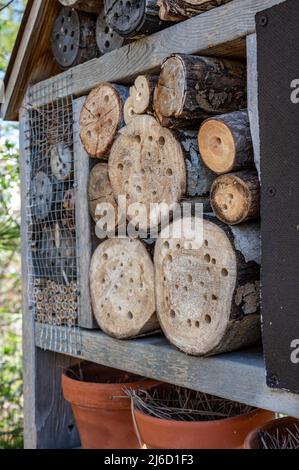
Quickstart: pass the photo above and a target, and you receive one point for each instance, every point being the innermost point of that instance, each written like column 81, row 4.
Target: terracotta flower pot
column 253, row 440
column 102, row 415
column 228, row 433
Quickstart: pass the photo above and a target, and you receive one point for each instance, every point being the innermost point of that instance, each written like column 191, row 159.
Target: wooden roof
column 31, row 60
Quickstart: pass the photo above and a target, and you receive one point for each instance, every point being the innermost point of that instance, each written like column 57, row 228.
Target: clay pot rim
column 211, row 423
column 103, row 385
column 267, row 427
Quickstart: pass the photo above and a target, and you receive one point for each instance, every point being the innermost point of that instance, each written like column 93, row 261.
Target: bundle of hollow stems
column 180, row 404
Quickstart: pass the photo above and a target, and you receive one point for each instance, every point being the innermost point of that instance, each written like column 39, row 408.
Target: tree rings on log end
column 195, row 293
column 147, row 165
column 235, row 197
column 122, row 288
column 100, row 119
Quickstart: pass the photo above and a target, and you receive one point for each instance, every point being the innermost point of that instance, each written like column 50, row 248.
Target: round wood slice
column 73, row 38
column 122, row 288
column 235, row 197
column 90, row 6
column 225, row 143
column 208, row 294
column 100, row 192
column 101, row 117
column 61, row 159
column 147, row 165
column 141, row 96
column 107, row 39
column 41, row 196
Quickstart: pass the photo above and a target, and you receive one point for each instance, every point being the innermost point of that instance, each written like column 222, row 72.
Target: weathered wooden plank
column 48, row 421
column 83, row 220
column 201, row 34
column 252, row 96
column 237, row 376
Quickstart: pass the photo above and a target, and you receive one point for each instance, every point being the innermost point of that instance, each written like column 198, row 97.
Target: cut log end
column 147, row 166
column 170, row 90
column 217, row 146
column 195, row 288
column 100, row 119
column 61, row 161
column 125, row 17
column 66, row 37
column 235, row 197
column 122, row 288
column 129, row 112
column 107, row 39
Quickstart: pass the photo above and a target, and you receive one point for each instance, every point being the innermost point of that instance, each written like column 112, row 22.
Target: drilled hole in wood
column 197, row 324
column 214, row 297
column 166, row 245
column 225, row 207
column 138, row 139
column 206, row 243
column 66, row 31
column 178, row 246
column 65, row 49
column 186, row 289
column 106, row 99
column 202, row 284
column 162, row 141
column 205, row 297
column 103, row 281
column 208, row 319
column 172, row 313
column 169, row 172
column 189, row 322
column 132, row 281
column 207, row 258
column 105, row 256
column 189, row 278
column 107, row 30
column 130, row 315
column 208, row 270
column 150, row 138
column 120, row 167
column 89, row 133
column 120, row 308
column 214, row 261
column 107, row 44
column 224, row 272
column 138, row 189
column 169, row 258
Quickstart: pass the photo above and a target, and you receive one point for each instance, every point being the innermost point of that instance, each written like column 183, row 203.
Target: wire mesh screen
column 51, row 184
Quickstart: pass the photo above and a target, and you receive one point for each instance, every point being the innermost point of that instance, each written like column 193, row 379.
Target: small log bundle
column 90, row 6
column 225, row 143
column 208, row 295
column 73, row 38
column 133, row 18
column 61, row 161
column 235, row 197
column 192, row 88
column 122, row 288
column 107, row 39
column 41, row 196
column 101, row 118
column 141, row 97
column 178, row 10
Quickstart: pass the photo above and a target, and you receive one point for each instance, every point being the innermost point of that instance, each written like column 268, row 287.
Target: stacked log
column 90, row 6
column 133, row 18
column 179, row 10
column 150, row 164
column 107, row 39
column 141, row 97
column 73, row 38
column 208, row 292
column 101, row 118
column 192, row 88
column 122, row 288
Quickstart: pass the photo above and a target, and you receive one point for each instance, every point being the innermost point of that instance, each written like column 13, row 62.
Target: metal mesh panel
column 50, row 183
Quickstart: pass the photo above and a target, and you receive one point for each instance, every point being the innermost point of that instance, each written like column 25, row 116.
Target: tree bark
column 107, row 39
column 235, row 198
column 135, row 18
column 101, row 118
column 179, row 10
column 141, row 97
column 90, row 6
column 73, row 38
column 208, row 294
column 192, row 88
column 122, row 288
column 225, row 143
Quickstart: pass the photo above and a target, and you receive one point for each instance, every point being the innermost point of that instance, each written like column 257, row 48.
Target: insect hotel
column 160, row 102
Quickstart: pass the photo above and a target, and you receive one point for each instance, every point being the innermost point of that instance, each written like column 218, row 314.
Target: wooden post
column 90, row 6
column 225, row 143
column 74, row 38
column 134, row 18
column 235, row 197
column 208, row 294
column 101, row 118
column 122, row 288
column 192, row 88
column 178, row 10
column 141, row 97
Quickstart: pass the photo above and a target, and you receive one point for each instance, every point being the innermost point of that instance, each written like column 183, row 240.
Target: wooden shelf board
column 238, row 376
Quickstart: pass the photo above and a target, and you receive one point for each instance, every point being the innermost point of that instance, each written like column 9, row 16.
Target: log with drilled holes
column 208, row 291
column 73, row 38
column 225, row 143
column 101, row 118
column 107, row 39
column 178, row 10
column 41, row 196
column 90, row 6
column 133, row 18
column 61, row 161
column 141, row 97
column 102, row 204
column 150, row 164
column 122, row 288
column 192, row 88
column 235, row 197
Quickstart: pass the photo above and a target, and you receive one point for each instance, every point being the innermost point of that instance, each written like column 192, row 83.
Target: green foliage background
column 11, row 402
